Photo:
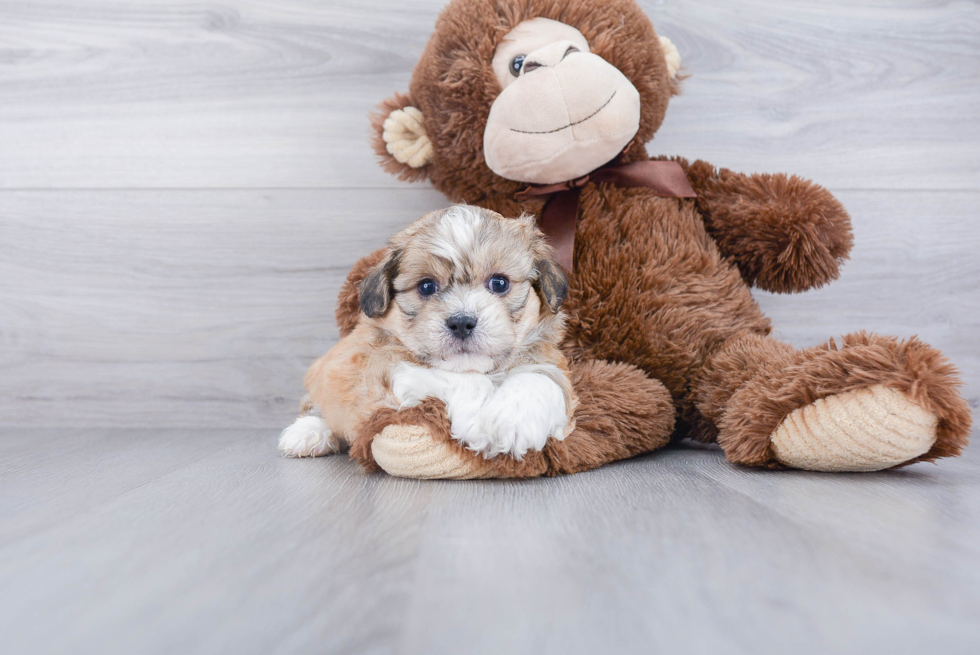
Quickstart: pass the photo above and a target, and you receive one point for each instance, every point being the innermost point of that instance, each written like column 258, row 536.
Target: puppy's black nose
column 461, row 325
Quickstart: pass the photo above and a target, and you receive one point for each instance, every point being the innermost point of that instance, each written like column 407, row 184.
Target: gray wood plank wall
column 183, row 186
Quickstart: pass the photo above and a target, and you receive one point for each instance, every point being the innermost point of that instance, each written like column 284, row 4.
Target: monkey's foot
column 870, row 404
column 863, row 430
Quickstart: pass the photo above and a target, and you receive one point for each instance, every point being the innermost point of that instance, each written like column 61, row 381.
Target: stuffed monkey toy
column 545, row 107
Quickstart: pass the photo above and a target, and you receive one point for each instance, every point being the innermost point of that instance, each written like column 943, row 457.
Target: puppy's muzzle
column 461, row 326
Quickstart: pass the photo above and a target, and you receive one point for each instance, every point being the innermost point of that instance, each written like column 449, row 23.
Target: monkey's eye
column 499, row 284
column 515, row 65
column 427, row 287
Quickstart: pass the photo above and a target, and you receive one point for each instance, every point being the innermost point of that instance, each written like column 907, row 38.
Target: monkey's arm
column 621, row 413
column 784, row 233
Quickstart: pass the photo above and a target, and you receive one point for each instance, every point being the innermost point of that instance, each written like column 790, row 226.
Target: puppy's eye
column 515, row 65
column 499, row 284
column 427, row 287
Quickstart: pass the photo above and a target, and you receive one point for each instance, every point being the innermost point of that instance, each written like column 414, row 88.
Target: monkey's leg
column 872, row 403
column 621, row 413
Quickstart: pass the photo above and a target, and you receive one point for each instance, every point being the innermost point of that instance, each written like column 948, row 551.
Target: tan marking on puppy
column 463, row 291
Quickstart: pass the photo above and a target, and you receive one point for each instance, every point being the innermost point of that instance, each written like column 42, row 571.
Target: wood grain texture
column 118, row 308
column 204, row 308
column 879, row 94
column 207, row 542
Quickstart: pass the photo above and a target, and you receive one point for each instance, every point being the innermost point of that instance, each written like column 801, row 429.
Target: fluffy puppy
column 464, row 307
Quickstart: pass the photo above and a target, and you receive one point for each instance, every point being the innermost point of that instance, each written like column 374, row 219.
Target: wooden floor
column 205, row 541
column 183, row 187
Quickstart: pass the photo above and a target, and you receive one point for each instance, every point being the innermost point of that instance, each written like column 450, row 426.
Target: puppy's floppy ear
column 400, row 140
column 377, row 287
column 551, row 284
column 550, row 281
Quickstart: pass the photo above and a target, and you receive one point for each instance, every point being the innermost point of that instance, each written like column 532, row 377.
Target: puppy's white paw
column 411, row 384
column 515, row 417
column 526, row 410
column 308, row 436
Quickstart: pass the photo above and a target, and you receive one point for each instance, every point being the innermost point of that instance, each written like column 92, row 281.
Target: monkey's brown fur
column 660, row 292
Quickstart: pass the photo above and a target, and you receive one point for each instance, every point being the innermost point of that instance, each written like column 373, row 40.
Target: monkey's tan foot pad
column 868, row 429
column 409, row 451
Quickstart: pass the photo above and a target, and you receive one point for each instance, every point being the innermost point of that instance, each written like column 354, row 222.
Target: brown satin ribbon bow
column 665, row 178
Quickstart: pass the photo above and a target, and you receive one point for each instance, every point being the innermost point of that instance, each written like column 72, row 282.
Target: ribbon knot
column 560, row 213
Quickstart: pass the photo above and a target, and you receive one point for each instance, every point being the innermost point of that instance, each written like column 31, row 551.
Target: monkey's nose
column 549, row 55
column 461, row 325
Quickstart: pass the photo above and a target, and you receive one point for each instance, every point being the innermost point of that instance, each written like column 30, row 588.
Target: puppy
column 464, row 307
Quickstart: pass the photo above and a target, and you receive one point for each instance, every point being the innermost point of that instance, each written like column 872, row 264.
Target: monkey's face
column 512, row 92
column 563, row 111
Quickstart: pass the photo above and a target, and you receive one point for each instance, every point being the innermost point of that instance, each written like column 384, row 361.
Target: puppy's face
column 465, row 289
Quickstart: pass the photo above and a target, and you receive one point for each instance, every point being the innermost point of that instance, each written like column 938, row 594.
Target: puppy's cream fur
column 505, row 387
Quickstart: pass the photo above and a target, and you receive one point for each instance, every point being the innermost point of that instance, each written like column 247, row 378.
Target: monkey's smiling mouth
column 578, row 122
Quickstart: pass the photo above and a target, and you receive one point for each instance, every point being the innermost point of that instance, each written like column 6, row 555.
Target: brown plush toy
column 545, row 107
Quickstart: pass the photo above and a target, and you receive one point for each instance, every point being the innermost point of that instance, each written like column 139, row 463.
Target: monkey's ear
column 377, row 287
column 673, row 57
column 399, row 138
